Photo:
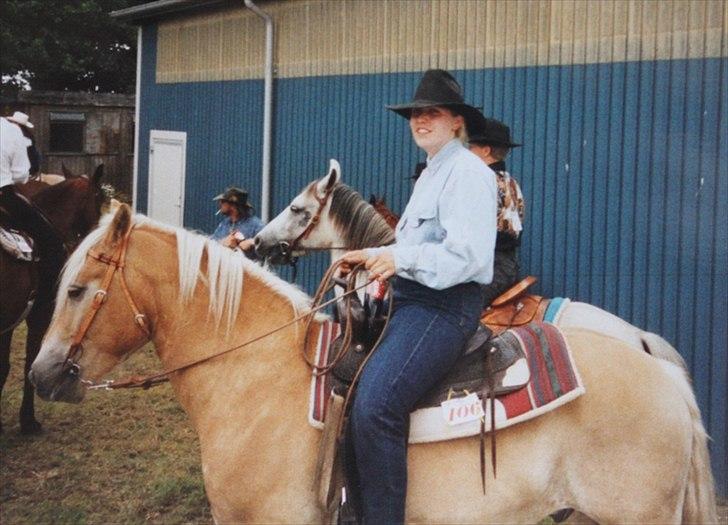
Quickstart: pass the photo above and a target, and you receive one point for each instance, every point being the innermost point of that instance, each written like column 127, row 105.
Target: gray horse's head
column 327, row 214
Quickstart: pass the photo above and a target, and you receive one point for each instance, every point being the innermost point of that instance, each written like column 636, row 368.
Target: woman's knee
column 371, row 414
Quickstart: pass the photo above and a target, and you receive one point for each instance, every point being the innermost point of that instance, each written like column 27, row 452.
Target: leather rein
column 117, row 263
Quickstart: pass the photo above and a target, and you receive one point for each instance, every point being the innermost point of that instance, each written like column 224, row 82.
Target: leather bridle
column 288, row 249
column 115, row 264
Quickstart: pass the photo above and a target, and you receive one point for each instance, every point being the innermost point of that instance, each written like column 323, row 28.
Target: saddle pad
column 555, row 308
column 321, row 385
column 554, row 382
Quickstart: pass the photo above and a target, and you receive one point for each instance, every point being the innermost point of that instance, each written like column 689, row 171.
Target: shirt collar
column 447, row 151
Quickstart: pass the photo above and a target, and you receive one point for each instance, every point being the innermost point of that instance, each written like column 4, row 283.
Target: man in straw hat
column 239, row 227
column 442, row 255
column 26, row 128
column 490, row 140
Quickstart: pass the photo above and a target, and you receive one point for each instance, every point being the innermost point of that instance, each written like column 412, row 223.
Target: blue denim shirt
column 446, row 235
column 248, row 227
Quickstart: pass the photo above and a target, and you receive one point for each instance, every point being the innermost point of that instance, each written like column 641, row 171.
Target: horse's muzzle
column 56, row 382
column 274, row 253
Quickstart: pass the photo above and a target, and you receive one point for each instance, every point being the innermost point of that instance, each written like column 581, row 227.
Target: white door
column 167, row 152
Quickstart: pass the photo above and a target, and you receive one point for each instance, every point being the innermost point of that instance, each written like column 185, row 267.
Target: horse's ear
column 66, row 172
column 332, row 177
column 98, row 173
column 119, row 225
column 114, row 205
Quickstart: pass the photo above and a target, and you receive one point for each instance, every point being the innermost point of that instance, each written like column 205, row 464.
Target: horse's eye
column 295, row 209
column 75, row 291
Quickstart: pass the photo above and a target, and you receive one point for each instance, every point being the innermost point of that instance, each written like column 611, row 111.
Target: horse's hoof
column 31, row 427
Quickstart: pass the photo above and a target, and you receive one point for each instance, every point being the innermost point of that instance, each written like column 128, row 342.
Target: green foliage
column 74, row 46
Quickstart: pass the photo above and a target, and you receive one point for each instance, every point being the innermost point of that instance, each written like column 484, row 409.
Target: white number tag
column 462, row 409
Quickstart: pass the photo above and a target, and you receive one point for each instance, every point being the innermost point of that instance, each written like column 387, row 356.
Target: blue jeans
column 426, row 335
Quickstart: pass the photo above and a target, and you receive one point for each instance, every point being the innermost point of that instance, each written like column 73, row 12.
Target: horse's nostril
column 257, row 241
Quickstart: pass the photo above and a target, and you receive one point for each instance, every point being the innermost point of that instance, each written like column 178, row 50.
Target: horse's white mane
column 225, row 270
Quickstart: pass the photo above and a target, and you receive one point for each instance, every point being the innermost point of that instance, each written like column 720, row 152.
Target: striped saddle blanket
column 553, row 382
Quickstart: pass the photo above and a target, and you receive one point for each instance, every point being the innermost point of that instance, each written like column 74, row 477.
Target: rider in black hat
column 239, row 227
column 441, row 257
column 490, row 140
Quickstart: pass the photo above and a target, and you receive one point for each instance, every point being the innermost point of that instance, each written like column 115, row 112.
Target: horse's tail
column 660, row 348
column 699, row 503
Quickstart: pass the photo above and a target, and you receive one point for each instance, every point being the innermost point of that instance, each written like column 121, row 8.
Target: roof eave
column 161, row 8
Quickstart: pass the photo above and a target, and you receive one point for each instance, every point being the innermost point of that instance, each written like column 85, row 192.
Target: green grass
column 126, row 456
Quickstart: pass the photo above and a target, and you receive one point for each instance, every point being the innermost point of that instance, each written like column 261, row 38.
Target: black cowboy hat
column 236, row 196
column 491, row 132
column 439, row 88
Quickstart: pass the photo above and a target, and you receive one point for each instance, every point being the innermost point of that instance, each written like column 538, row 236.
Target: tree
column 66, row 46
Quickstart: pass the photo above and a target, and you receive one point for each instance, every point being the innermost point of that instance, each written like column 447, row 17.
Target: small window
column 67, row 132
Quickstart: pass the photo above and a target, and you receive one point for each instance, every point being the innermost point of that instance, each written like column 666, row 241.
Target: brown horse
column 631, row 449
column 73, row 206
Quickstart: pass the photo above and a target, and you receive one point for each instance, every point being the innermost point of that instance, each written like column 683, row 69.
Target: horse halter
column 114, row 263
column 287, row 249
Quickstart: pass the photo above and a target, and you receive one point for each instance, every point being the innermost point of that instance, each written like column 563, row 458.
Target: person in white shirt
column 18, row 212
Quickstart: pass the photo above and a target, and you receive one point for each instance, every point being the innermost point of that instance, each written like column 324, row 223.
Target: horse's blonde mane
column 224, row 276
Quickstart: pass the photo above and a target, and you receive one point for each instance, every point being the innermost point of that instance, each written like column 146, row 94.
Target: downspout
column 137, row 113
column 265, row 196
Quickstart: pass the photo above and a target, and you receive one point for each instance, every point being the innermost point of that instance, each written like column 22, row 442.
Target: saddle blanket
column 554, row 382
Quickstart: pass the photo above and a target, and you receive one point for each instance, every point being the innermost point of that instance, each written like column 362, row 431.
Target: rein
column 117, row 263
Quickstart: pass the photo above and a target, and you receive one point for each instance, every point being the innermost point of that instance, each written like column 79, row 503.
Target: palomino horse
column 632, row 448
column 346, row 222
column 73, row 206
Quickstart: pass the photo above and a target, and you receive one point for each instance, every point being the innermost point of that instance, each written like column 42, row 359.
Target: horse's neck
column 248, row 407
column 268, row 371
column 60, row 203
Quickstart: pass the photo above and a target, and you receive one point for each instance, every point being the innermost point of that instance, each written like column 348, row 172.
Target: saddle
column 490, row 365
column 17, row 244
column 514, row 307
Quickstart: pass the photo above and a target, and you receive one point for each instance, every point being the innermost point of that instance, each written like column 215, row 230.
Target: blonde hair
column 462, row 133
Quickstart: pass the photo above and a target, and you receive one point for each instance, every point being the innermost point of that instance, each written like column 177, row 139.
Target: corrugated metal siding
column 320, row 37
column 223, row 121
column 624, row 169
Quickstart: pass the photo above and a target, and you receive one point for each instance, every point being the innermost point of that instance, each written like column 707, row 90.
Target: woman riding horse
column 439, row 260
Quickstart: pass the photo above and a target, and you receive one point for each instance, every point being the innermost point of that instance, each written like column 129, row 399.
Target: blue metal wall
column 624, row 170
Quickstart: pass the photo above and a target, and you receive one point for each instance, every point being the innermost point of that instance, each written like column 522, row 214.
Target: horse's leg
column 5, row 340
column 38, row 321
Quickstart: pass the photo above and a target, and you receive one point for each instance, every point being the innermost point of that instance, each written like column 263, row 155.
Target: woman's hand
column 381, row 266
